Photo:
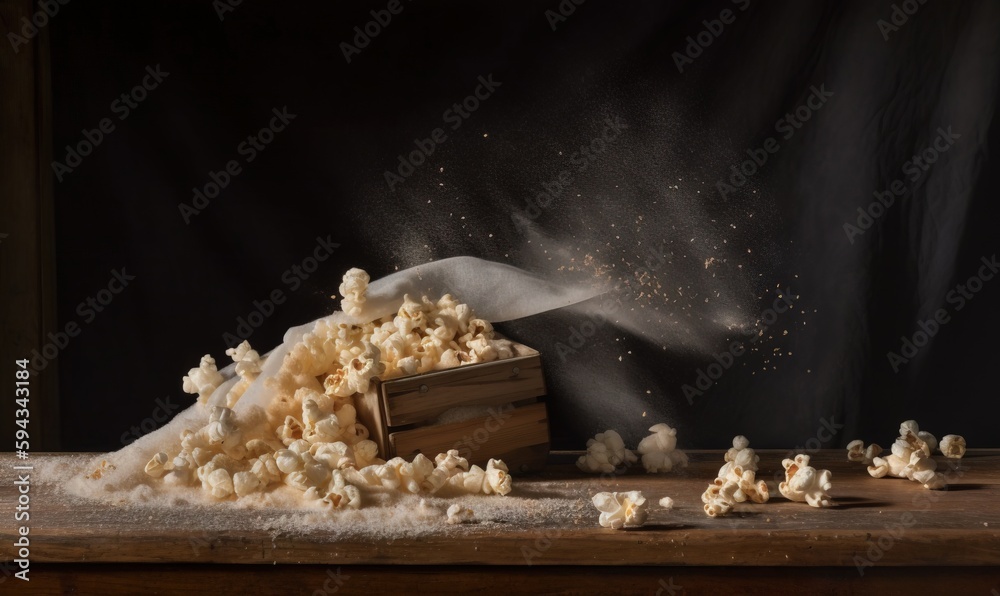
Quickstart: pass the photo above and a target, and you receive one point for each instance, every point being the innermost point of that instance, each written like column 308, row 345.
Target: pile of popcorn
column 910, row 457
column 736, row 481
column 606, row 452
column 310, row 438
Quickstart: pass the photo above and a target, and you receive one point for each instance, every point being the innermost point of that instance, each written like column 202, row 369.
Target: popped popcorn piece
column 290, row 431
column 953, row 446
column 248, row 367
column 181, row 474
column 718, row 508
column 739, row 455
column 413, row 474
column 336, row 456
column 365, row 366
column 245, row 483
column 910, row 458
column 605, row 453
column 159, row 465
column 447, row 465
column 805, row 483
column 922, row 469
column 203, row 380
column 473, row 481
column 266, row 469
column 366, row 454
column 341, row 494
column 667, row 503
column 460, row 515
column 856, row 451
column 220, row 484
column 621, row 510
column 352, row 291
column 736, row 482
column 929, row 439
column 659, row 450
column 498, row 478
column 222, row 431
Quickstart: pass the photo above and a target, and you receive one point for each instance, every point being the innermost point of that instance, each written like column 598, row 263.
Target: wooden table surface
column 889, row 523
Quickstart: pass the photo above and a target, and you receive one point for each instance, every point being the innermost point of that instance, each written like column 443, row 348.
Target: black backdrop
column 693, row 96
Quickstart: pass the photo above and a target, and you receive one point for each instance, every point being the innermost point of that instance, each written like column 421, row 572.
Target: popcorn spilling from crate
column 309, row 437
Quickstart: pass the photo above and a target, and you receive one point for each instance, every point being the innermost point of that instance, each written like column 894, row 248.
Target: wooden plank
column 27, row 276
column 477, row 440
column 443, row 580
column 369, row 409
column 423, row 398
column 548, row 520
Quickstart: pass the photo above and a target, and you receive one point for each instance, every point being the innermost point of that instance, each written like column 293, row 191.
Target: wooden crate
column 401, row 414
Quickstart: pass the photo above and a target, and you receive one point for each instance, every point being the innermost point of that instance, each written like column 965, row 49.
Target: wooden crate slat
column 492, row 383
column 527, row 426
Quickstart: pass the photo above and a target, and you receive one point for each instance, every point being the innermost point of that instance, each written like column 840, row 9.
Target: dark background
column 652, row 189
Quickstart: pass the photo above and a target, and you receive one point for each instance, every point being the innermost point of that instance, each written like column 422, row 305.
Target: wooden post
column 27, row 243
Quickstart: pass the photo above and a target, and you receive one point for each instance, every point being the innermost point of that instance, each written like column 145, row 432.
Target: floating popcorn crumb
column 667, row 503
